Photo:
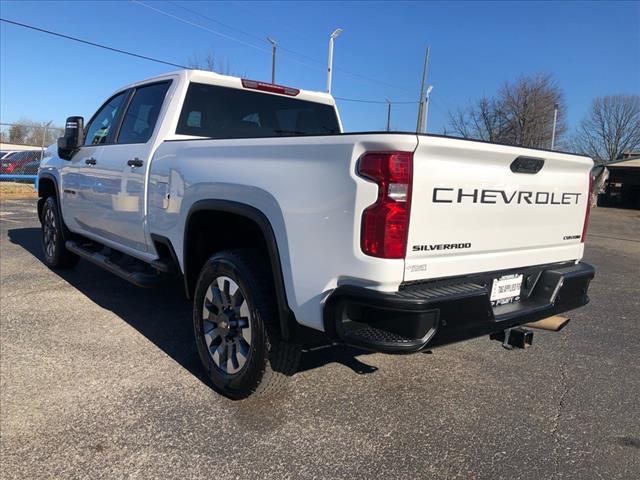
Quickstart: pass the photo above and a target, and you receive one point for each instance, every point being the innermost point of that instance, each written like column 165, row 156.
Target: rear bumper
column 427, row 315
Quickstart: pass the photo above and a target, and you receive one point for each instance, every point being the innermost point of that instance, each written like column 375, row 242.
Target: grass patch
column 17, row 190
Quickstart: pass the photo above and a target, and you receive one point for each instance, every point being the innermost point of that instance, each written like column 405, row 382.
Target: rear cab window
column 221, row 112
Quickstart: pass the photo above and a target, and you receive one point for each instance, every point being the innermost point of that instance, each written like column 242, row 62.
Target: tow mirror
column 72, row 139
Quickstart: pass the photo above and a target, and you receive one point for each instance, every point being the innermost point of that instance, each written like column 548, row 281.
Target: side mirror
column 73, row 137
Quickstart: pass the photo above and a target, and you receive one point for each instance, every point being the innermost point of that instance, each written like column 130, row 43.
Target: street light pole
column 388, row 114
column 426, row 108
column 425, row 71
column 336, row 33
column 555, row 119
column 274, row 44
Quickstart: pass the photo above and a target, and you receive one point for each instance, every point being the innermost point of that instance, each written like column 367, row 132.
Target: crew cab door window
column 118, row 201
column 103, row 122
column 142, row 114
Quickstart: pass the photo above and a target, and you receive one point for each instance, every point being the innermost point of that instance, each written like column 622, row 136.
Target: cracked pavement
column 99, row 379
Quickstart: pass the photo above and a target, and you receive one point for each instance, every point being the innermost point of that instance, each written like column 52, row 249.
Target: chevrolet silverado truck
column 284, row 229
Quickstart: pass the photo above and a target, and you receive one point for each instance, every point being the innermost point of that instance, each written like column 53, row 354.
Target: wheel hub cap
column 227, row 325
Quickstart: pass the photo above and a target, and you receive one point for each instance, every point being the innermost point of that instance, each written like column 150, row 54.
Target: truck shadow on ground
column 163, row 314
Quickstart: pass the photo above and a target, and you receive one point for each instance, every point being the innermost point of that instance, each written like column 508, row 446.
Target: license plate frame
column 506, row 289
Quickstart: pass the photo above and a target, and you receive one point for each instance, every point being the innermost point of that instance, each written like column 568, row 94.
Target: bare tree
column 520, row 114
column 610, row 128
column 485, row 121
column 17, row 133
column 529, row 105
column 30, row 132
column 211, row 63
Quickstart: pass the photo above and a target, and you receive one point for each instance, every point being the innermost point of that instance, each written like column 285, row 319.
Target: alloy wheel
column 49, row 233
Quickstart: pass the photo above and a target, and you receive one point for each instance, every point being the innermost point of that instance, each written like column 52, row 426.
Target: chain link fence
column 22, row 147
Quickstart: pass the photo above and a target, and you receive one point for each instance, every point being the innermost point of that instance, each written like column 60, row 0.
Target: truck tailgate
column 480, row 207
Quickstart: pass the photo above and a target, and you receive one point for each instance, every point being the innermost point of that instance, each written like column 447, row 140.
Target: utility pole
column 555, row 119
column 424, row 77
column 336, row 33
column 274, row 44
column 388, row 115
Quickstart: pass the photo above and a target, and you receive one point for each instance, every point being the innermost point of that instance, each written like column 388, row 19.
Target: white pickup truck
column 285, row 229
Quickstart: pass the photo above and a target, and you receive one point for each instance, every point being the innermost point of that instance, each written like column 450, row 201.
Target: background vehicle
column 6, row 153
column 283, row 228
column 30, row 168
column 16, row 162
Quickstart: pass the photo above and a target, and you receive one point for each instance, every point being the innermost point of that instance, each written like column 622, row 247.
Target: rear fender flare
column 287, row 318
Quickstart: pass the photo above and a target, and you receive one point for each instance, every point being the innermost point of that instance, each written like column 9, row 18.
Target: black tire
column 268, row 361
column 56, row 255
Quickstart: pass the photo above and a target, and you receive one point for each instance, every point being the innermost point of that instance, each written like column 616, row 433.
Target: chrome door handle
column 135, row 162
column 90, row 161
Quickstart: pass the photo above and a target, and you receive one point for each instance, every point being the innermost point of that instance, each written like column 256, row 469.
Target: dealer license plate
column 506, row 289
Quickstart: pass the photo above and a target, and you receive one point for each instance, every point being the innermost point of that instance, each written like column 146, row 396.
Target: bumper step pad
column 367, row 335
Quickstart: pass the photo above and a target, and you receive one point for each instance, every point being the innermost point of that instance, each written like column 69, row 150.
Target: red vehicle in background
column 15, row 163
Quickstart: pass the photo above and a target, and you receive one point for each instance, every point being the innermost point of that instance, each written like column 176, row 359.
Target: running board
column 164, row 266
column 140, row 279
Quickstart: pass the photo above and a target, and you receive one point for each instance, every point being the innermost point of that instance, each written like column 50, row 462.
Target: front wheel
column 56, row 254
column 236, row 327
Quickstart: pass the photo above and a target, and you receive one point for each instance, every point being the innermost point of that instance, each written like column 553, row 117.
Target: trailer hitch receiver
column 514, row 337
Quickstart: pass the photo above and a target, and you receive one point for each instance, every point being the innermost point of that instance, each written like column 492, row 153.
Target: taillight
column 588, row 210
column 270, row 87
column 385, row 224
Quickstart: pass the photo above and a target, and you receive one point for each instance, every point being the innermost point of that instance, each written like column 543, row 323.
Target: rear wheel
column 56, row 254
column 236, row 327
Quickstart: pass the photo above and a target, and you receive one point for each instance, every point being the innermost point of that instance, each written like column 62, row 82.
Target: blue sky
column 591, row 48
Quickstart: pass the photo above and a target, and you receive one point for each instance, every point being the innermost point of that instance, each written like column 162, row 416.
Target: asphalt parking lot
column 100, row 379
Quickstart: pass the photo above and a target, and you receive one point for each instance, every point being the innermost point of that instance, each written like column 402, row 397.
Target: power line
column 184, row 20
column 360, row 100
column 283, row 25
column 337, row 69
column 215, row 32
column 93, row 44
column 144, row 57
column 248, row 34
column 320, row 65
column 151, row 59
column 439, row 107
